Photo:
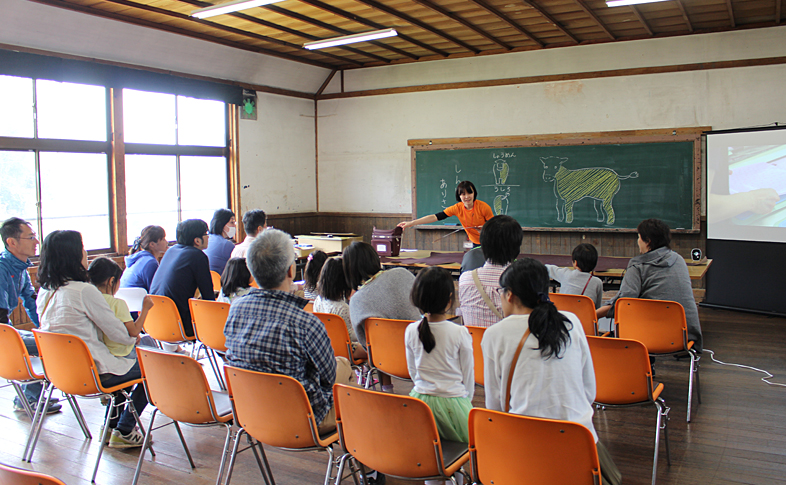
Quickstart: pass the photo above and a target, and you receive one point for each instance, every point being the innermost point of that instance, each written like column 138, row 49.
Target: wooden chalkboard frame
column 691, row 134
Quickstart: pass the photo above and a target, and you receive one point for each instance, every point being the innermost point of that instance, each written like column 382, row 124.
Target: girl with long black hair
column 547, row 353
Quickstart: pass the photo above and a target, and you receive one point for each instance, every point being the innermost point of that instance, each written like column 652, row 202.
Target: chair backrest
column 272, row 408
column 507, row 448
column 385, row 345
column 18, row 476
column 14, row 359
column 309, row 308
column 403, row 438
column 133, row 297
column 209, row 320
column 477, row 352
column 176, row 385
column 216, row 280
column 580, row 305
column 622, row 370
column 339, row 335
column 163, row 321
column 660, row 325
column 68, row 364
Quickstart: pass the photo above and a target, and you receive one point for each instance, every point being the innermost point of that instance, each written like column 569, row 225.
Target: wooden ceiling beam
column 184, row 32
column 778, row 11
column 225, row 28
column 685, row 15
column 271, row 25
column 333, row 28
column 641, row 19
column 543, row 13
column 493, row 11
column 594, row 17
column 465, row 23
column 731, row 14
column 350, row 16
column 418, row 23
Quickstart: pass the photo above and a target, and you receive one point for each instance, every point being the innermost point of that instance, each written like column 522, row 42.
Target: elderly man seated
column 268, row 331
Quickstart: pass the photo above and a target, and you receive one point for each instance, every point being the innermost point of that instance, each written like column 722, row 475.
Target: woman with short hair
column 221, row 239
column 68, row 304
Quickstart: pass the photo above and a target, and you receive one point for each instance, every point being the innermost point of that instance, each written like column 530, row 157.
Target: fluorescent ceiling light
column 229, row 7
column 620, row 3
column 351, row 39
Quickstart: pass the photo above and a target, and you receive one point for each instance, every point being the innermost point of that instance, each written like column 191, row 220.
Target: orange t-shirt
column 472, row 219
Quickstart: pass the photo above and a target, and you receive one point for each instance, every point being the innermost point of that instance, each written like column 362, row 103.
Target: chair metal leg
column 330, row 465
column 233, row 454
column 104, row 435
column 224, row 452
column 254, row 443
column 38, row 421
column 340, row 470
column 80, row 418
column 694, row 363
column 183, row 442
column 211, row 357
column 23, row 399
column 137, row 419
column 145, row 444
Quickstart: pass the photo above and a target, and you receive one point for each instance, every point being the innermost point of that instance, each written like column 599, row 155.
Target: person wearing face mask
column 221, row 239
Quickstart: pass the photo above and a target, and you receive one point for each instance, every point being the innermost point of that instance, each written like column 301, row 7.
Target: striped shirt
column 474, row 310
column 268, row 331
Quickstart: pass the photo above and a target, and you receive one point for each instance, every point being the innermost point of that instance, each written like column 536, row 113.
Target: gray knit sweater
column 662, row 274
column 386, row 296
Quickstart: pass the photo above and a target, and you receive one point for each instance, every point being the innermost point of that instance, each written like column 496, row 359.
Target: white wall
column 364, row 160
column 277, row 156
column 29, row 24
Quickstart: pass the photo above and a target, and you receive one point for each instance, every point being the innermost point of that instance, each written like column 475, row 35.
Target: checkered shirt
column 267, row 331
column 474, row 310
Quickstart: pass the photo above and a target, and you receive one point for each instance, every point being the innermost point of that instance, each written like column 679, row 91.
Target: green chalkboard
column 587, row 186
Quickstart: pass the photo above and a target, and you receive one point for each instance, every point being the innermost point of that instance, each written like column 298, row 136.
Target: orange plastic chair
column 660, row 325
column 309, row 308
column 386, row 349
column 477, row 352
column 216, row 280
column 336, row 329
column 404, row 442
column 176, row 385
column 163, row 321
column 509, row 449
column 626, row 380
column 209, row 319
column 69, row 366
column 274, row 409
column 580, row 305
column 18, row 476
column 17, row 366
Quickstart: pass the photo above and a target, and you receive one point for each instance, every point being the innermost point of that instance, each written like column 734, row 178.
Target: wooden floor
column 738, row 433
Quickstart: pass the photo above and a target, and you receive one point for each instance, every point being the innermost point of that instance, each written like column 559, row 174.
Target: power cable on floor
column 765, row 379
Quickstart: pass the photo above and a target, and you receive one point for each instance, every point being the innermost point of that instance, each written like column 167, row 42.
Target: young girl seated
column 332, row 295
column 235, row 280
column 547, row 353
column 439, row 356
column 311, row 274
column 105, row 275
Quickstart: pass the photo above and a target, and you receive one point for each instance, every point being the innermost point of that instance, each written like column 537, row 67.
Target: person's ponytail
column 425, row 335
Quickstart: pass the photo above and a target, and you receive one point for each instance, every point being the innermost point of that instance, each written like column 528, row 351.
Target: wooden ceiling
column 432, row 29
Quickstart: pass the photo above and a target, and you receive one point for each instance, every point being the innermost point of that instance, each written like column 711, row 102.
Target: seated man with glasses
column 184, row 269
column 20, row 245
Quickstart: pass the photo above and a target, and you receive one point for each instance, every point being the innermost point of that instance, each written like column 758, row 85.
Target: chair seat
column 452, row 454
column 124, row 385
column 37, row 367
column 223, row 406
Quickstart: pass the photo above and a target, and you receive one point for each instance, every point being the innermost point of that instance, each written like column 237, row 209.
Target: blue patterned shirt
column 267, row 331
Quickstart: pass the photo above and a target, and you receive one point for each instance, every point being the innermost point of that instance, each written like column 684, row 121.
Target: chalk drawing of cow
column 570, row 186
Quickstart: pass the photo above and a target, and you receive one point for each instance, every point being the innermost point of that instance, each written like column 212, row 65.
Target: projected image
column 746, row 181
column 760, row 172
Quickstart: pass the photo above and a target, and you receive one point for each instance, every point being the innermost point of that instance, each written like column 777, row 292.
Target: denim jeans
column 125, row 421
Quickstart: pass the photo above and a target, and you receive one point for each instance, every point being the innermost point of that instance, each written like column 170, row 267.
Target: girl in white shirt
column 553, row 376
column 235, row 280
column 439, row 355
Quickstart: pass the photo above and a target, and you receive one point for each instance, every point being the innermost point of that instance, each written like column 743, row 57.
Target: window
column 176, row 164
column 56, row 159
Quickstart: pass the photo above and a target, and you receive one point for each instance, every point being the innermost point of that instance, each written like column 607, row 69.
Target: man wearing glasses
column 184, row 269
column 20, row 245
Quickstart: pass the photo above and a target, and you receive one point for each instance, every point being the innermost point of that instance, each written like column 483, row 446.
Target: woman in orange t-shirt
column 471, row 213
